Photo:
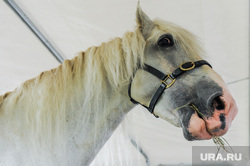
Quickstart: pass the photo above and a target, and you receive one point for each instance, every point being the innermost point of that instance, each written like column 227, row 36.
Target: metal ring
column 190, row 67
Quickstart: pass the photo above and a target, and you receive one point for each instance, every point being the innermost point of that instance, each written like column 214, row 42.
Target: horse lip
column 193, row 134
column 202, row 117
column 207, row 130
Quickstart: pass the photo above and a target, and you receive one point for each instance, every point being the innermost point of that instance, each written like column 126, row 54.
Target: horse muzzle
column 223, row 111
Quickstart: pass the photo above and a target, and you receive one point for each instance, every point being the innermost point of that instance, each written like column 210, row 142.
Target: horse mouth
column 197, row 128
column 214, row 124
column 209, row 133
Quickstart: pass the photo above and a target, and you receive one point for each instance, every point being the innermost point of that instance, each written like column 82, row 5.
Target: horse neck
column 107, row 73
column 80, row 102
column 104, row 125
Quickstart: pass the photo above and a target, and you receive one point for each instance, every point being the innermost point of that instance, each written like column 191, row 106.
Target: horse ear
column 144, row 23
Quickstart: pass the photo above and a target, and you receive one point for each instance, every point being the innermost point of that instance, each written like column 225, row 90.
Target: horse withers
column 65, row 115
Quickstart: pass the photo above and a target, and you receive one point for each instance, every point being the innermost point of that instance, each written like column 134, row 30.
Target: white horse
column 65, row 115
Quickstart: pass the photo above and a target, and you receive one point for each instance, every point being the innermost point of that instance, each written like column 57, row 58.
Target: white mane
column 78, row 89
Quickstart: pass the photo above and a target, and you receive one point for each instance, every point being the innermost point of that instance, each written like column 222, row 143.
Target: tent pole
column 249, row 77
column 35, row 30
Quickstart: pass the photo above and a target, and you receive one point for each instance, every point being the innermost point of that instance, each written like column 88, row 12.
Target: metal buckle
column 190, row 66
column 168, row 81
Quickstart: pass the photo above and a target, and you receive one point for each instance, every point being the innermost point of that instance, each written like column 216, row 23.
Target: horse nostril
column 218, row 103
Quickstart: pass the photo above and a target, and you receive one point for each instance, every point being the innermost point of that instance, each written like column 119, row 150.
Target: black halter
column 166, row 80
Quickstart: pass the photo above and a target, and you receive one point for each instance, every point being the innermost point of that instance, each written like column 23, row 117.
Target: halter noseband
column 166, row 81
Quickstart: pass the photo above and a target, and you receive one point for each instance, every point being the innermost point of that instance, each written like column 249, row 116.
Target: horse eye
column 166, row 41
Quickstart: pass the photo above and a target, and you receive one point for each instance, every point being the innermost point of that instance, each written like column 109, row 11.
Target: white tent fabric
column 74, row 25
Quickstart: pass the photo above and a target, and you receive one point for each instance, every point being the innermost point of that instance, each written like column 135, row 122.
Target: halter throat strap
column 167, row 80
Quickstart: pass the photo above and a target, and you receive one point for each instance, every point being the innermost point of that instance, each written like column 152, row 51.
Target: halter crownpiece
column 166, row 81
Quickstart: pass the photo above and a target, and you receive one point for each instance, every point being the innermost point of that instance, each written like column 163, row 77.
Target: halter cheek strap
column 166, row 81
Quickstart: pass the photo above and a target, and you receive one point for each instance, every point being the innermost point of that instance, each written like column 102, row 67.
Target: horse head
column 191, row 94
